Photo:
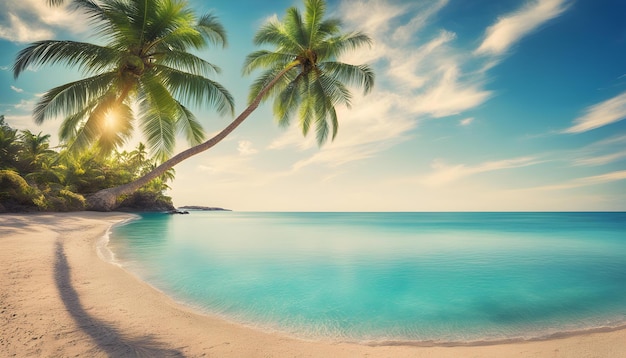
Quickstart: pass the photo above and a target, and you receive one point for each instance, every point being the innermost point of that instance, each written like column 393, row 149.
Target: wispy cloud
column 601, row 159
column 18, row 90
column 510, row 29
column 601, row 114
column 414, row 82
column 586, row 181
column 466, row 121
column 602, row 152
column 443, row 173
column 17, row 30
column 366, row 129
column 449, row 95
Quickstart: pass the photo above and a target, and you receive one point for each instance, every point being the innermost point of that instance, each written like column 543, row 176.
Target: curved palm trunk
column 106, row 199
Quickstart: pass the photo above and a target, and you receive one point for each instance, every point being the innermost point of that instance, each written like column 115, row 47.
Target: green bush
column 15, row 191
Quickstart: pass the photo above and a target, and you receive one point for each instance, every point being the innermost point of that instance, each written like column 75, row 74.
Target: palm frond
column 361, row 75
column 314, row 12
column 328, row 28
column 87, row 57
column 71, row 97
column 185, row 61
column 72, row 123
column 335, row 90
column 158, row 117
column 188, row 125
column 89, row 131
column 333, row 47
column 265, row 59
column 295, row 27
column 274, row 33
column 212, row 29
column 268, row 76
column 194, row 88
column 307, row 106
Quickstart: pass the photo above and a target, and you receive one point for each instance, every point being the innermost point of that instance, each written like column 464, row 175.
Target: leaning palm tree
column 301, row 72
column 310, row 80
column 144, row 60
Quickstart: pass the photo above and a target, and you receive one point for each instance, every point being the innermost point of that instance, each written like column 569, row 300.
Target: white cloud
column 18, row 30
column 449, row 95
column 409, row 70
column 586, row 181
column 18, row 90
column 368, row 128
column 33, row 20
column 602, row 114
column 444, row 174
column 25, row 105
column 601, row 160
column 244, row 147
column 466, row 121
column 509, row 30
column 425, row 12
column 602, row 152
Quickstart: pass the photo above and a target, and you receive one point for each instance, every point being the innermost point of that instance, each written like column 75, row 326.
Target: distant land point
column 203, row 208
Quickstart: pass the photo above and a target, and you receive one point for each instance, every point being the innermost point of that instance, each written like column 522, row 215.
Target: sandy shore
column 59, row 299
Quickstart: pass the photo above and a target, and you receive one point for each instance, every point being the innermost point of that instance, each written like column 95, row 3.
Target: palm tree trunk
column 106, row 199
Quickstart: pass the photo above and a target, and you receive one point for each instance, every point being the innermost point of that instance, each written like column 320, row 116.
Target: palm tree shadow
column 107, row 337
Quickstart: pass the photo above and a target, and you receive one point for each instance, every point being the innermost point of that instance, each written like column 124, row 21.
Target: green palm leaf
column 145, row 58
column 196, row 89
column 305, row 51
column 87, row 57
column 188, row 125
column 72, row 97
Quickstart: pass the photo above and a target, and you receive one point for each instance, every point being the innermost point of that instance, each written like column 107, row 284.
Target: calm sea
column 445, row 277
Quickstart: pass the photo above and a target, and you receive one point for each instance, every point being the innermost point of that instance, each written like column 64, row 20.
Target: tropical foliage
column 301, row 71
column 304, row 55
column 35, row 177
column 145, row 61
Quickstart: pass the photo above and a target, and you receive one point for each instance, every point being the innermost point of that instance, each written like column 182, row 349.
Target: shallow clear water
column 389, row 276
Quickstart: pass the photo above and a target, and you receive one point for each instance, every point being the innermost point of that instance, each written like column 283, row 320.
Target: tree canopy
column 145, row 60
column 307, row 47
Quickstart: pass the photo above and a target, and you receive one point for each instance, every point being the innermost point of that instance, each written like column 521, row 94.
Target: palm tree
column 34, row 149
column 145, row 59
column 302, row 72
column 304, row 59
column 9, row 146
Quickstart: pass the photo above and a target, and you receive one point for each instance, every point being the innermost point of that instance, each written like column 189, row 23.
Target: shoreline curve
column 59, row 297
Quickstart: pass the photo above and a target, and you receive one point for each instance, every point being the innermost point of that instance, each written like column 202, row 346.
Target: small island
column 202, row 208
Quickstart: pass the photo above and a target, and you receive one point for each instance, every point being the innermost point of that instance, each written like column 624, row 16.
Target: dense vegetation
column 34, row 177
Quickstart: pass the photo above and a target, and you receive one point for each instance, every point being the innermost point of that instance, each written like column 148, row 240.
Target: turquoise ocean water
column 444, row 277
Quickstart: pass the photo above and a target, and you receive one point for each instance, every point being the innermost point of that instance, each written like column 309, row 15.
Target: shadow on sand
column 108, row 338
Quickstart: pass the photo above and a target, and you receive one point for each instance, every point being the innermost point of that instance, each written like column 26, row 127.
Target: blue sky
column 479, row 106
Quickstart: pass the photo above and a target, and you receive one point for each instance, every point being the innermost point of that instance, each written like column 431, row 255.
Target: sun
column 110, row 120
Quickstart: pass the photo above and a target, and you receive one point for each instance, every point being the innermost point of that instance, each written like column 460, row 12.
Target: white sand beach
column 59, row 299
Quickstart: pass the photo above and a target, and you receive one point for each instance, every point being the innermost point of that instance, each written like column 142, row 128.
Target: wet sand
column 59, row 299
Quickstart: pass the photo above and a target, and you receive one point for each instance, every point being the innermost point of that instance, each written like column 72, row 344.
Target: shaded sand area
column 59, row 299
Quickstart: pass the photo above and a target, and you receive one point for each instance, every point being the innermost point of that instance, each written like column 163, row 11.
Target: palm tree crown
column 313, row 82
column 145, row 59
